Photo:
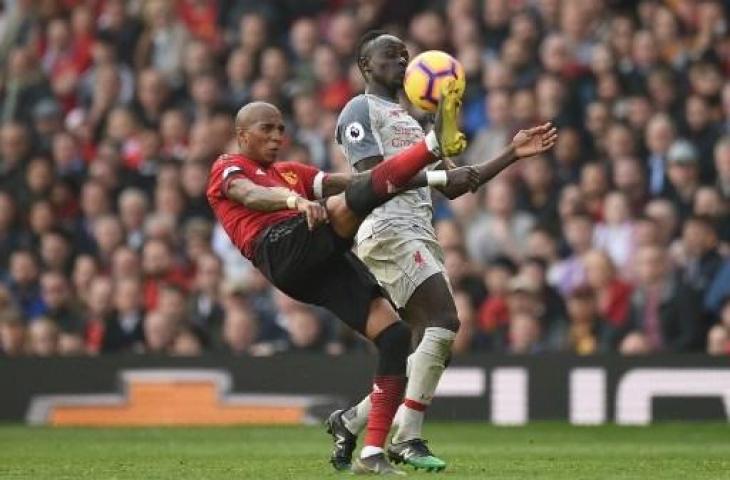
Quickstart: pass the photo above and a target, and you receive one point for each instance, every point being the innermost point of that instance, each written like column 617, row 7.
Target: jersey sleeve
column 356, row 131
column 228, row 168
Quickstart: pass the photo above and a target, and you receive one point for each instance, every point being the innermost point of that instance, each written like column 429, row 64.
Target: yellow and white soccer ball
column 426, row 74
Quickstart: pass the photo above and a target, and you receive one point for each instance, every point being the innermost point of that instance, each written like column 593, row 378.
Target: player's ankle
column 369, row 451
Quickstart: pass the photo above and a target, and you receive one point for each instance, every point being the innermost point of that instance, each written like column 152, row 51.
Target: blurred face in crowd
column 240, row 329
column 616, row 208
column 304, row 37
column 578, row 231
column 661, row 86
column 599, row 269
column 498, row 106
column 159, row 332
column 709, row 202
column 54, row 290
column 428, row 30
column 39, row 175
column 84, row 271
column 537, row 173
column 59, row 35
column 497, row 76
column 156, row 258
column 582, row 307
column 198, row 59
column 697, row 113
column 628, row 177
column 639, row 112
column 683, row 175
column 209, row 273
column 23, row 268
column 597, row 118
column 602, row 61
column 304, row 328
column 151, row 89
column 497, row 279
column 646, row 232
column 14, row 144
column 12, row 337
column 384, row 60
column 698, row 238
column 554, row 53
column 500, row 199
column 342, row 34
column 449, row 234
column 108, row 234
column 651, row 265
column 252, row 32
column 171, row 303
column 665, row 215
column 570, row 201
column 524, row 108
column 541, row 244
column 619, row 141
column 132, row 209
column 240, row 67
column 644, row 50
column 128, row 295
column 94, row 200
column 524, row 332
column 99, row 298
column 43, row 337
column 593, row 180
column 125, row 263
column 567, row 149
column 55, row 251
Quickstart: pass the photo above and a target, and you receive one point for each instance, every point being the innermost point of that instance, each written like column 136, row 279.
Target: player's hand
column 534, row 141
column 315, row 212
column 460, row 180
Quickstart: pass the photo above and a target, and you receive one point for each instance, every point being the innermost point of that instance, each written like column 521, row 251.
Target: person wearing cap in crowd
column 684, row 176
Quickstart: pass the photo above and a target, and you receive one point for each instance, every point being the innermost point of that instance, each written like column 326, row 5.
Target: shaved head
column 254, row 112
column 260, row 131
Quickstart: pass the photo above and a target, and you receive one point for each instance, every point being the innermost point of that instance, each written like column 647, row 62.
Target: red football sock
column 386, row 397
column 395, row 172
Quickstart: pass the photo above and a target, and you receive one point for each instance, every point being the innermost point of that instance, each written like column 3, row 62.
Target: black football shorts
column 317, row 267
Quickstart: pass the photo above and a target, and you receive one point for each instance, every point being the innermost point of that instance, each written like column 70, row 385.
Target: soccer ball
column 426, row 74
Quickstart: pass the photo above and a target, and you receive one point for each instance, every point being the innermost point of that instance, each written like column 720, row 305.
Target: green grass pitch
column 474, row 451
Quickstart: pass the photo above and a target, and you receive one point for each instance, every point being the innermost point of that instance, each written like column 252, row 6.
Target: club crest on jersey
column 290, row 177
column 354, row 132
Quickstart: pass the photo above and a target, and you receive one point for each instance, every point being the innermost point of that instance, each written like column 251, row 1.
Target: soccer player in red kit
column 273, row 214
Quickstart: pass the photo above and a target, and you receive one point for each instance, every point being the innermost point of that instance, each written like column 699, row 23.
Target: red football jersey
column 242, row 224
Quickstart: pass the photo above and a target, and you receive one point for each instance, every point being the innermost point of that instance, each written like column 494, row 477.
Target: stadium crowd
column 111, row 112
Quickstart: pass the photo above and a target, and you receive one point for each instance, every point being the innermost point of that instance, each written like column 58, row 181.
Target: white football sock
column 356, row 418
column 425, row 367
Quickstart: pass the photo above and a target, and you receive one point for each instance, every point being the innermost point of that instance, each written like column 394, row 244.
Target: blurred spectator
column 718, row 339
column 587, row 330
column 12, row 333
column 665, row 310
column 43, row 338
column 613, row 294
column 124, row 325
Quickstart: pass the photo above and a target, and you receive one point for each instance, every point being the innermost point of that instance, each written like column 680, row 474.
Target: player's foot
column 415, row 453
column 344, row 441
column 374, row 465
column 451, row 140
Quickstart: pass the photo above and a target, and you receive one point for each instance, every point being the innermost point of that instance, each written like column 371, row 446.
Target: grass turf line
column 690, row 451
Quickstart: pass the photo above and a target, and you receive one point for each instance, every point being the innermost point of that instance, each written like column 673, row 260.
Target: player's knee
column 445, row 319
column 393, row 348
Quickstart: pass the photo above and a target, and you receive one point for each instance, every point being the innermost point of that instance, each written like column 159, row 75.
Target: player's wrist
column 292, row 202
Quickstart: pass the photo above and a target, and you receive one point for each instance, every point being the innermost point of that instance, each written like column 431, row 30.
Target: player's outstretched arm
column 272, row 199
column 525, row 143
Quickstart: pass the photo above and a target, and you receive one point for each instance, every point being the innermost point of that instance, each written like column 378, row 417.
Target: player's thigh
column 343, row 220
column 345, row 286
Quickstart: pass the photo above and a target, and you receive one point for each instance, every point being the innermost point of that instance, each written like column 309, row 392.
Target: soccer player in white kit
column 398, row 243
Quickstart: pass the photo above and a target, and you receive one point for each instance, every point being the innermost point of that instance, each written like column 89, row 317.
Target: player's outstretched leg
column 392, row 339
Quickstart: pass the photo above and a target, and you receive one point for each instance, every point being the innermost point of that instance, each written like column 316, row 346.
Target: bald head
column 260, row 131
column 255, row 112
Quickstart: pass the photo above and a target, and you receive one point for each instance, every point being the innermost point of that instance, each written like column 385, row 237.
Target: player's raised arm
column 525, row 143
